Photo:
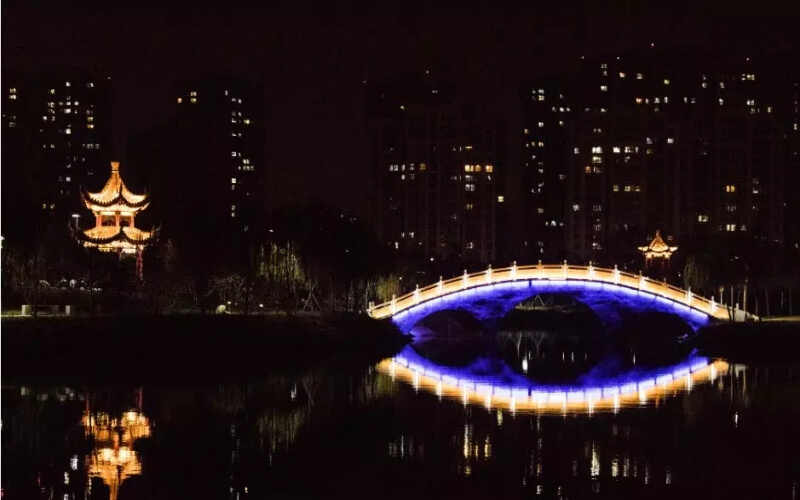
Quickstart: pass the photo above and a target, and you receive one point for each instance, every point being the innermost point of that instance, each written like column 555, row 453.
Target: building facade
column 433, row 173
column 56, row 139
column 635, row 145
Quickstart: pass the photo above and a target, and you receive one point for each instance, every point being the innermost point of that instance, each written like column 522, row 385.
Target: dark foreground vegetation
column 189, row 347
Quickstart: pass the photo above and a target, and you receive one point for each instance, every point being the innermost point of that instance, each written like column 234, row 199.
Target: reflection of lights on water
column 595, row 468
column 428, row 377
column 114, row 459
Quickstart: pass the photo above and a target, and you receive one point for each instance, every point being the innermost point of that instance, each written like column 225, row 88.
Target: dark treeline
column 311, row 257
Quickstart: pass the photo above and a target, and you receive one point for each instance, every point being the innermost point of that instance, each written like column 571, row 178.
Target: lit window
column 597, row 208
column 501, row 199
column 233, row 180
column 730, row 227
column 627, row 188
column 639, row 76
column 180, row 100
column 68, row 84
column 470, row 245
column 247, row 121
column 469, row 187
column 540, row 210
column 621, row 74
column 616, row 149
column 702, row 218
column 576, row 208
column 730, row 188
column 68, row 131
column 603, row 88
column 193, row 100
column 597, row 149
column 721, row 101
column 469, row 168
column 469, row 206
column 666, row 82
column 670, row 140
column 193, row 93
column 477, row 168
column 577, row 151
column 616, row 188
column 541, row 124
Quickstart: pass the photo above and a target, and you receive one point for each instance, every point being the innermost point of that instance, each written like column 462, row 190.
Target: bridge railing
column 551, row 272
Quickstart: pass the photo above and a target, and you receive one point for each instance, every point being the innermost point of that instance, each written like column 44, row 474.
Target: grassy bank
column 190, row 347
column 761, row 342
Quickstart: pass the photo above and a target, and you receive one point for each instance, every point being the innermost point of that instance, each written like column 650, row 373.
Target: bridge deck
column 561, row 272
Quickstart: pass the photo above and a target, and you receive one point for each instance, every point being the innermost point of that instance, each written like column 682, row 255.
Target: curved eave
column 91, row 199
column 116, row 207
column 120, row 236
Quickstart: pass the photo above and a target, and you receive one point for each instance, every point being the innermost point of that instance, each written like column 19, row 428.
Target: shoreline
column 192, row 347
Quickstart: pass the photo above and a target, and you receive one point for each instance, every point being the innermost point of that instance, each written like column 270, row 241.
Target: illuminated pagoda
column 115, row 208
column 657, row 250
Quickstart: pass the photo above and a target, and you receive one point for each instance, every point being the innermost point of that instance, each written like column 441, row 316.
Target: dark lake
column 518, row 416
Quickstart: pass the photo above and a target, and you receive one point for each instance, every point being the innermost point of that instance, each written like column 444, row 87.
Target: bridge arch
column 492, row 293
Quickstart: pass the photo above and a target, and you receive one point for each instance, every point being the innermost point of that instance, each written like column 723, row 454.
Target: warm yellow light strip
column 553, row 402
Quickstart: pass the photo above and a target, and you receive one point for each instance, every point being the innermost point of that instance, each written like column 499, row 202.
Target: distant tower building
column 56, row 136
column 695, row 148
column 433, row 173
column 115, row 208
column 219, row 148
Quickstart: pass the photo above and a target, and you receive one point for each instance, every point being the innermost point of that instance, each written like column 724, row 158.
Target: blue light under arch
column 494, row 300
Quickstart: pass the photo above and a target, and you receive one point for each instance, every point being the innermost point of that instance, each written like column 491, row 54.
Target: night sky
column 312, row 62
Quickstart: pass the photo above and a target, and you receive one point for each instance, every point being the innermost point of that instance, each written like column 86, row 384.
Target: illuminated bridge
column 490, row 294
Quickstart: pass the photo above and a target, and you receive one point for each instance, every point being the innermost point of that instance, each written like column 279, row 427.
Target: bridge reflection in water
column 517, row 394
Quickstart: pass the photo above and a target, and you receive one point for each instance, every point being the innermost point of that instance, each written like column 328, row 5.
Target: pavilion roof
column 115, row 195
column 657, row 247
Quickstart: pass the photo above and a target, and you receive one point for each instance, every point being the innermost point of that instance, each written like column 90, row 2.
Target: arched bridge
column 493, row 292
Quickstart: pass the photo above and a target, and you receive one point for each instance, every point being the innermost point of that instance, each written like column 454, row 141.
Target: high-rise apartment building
column 635, row 145
column 56, row 135
column 206, row 167
column 433, row 173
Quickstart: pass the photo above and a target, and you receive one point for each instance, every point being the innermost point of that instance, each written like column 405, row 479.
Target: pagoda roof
column 657, row 247
column 113, row 236
column 115, row 195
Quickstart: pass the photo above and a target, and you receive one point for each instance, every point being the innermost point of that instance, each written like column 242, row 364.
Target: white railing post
column 541, row 269
column 664, row 289
column 489, row 274
column 689, row 297
column 713, row 305
column 465, row 280
column 416, row 295
column 394, row 305
column 564, row 268
column 514, row 270
column 616, row 275
column 590, row 271
column 440, row 286
column 641, row 281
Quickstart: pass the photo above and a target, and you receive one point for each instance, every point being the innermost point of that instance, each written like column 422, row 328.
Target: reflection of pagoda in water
column 113, row 459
